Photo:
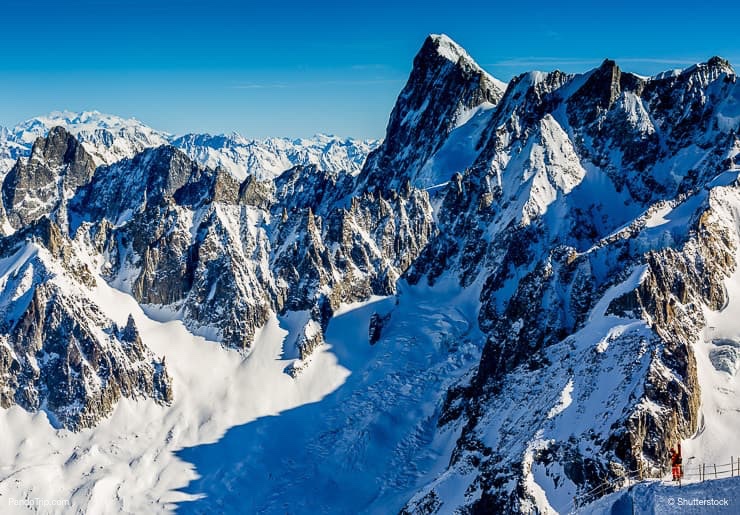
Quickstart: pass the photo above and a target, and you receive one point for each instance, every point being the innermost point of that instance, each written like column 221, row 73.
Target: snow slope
column 459, row 151
column 368, row 413
column 128, row 462
column 366, row 446
column 662, row 498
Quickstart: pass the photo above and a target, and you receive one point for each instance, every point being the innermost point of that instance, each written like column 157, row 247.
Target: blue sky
column 296, row 68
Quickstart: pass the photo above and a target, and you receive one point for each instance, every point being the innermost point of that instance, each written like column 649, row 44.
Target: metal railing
column 605, row 487
column 691, row 474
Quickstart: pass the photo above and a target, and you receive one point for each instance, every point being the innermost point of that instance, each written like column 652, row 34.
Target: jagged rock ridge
column 583, row 286
column 220, row 254
column 58, row 352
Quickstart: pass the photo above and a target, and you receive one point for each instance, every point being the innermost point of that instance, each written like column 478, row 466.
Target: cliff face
column 221, row 254
column 58, row 352
column 597, row 242
column 41, row 184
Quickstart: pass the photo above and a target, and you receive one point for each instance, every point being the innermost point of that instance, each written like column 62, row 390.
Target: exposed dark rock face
column 150, row 178
column 444, row 83
column 227, row 255
column 37, row 187
column 546, row 247
column 185, row 249
column 677, row 283
column 375, row 331
column 60, row 354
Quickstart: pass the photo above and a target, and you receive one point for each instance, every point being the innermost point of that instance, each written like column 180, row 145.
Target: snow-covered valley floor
column 355, row 431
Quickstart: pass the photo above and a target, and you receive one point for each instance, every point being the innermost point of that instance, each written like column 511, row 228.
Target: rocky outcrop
column 676, row 285
column 580, row 281
column 151, row 178
column 224, row 255
column 444, row 84
column 375, row 329
column 39, row 186
column 60, row 354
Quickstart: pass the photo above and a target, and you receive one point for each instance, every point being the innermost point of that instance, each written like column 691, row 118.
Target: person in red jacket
column 676, row 461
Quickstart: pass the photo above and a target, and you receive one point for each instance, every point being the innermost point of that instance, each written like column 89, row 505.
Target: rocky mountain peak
column 168, row 163
column 154, row 176
column 715, row 65
column 36, row 186
column 166, row 169
column 704, row 73
column 720, row 62
column 445, row 85
column 444, row 46
column 601, row 90
column 432, row 63
column 59, row 148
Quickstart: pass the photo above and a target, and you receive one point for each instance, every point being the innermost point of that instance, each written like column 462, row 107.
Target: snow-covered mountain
column 270, row 157
column 527, row 290
column 106, row 138
column 592, row 301
column 109, row 139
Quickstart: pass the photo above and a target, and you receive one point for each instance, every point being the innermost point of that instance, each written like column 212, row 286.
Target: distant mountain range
column 110, row 138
